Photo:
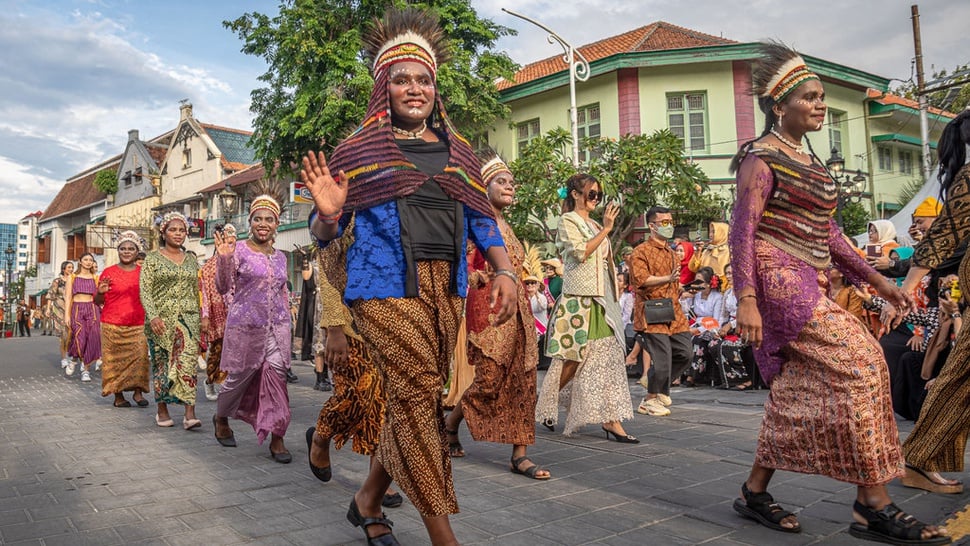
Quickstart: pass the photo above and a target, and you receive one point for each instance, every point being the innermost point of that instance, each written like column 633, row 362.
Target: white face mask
column 667, row 232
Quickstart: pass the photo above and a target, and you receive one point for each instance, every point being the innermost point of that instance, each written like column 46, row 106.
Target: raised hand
column 225, row 244
column 329, row 193
column 609, row 215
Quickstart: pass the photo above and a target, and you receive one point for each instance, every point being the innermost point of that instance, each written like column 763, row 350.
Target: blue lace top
column 375, row 262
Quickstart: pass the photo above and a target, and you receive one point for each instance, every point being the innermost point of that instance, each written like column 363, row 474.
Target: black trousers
column 669, row 356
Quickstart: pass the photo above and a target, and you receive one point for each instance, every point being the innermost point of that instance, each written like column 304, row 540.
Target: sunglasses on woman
column 594, row 195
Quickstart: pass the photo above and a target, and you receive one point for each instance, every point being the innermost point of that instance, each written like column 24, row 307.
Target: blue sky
column 76, row 75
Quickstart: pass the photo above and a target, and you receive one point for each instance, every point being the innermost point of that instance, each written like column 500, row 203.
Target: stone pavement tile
column 611, row 519
column 222, row 500
column 501, row 521
column 269, row 541
column 26, row 501
column 594, row 497
column 94, row 537
column 167, row 508
column 10, row 517
column 522, row 538
column 265, row 526
column 154, row 528
column 111, row 501
column 60, row 510
column 571, row 531
column 685, row 528
column 277, row 492
column 820, row 483
column 722, row 514
column 932, row 508
column 101, row 520
column 35, row 529
column 482, row 502
column 213, row 518
column 280, row 507
column 759, row 534
column 210, row 536
column 829, row 510
column 330, row 535
column 692, row 497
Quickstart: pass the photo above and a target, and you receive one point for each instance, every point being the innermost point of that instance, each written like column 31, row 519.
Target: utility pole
column 924, row 122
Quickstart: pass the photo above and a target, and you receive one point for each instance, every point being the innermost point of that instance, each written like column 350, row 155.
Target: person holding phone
column 585, row 336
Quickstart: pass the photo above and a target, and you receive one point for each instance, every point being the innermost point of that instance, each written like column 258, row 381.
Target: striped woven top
column 798, row 213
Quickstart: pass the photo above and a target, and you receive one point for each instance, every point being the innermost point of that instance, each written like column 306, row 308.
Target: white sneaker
column 97, row 364
column 664, row 399
column 85, row 376
column 652, row 407
column 69, row 369
column 210, row 392
column 64, row 362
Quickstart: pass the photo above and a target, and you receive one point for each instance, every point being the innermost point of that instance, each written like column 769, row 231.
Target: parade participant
column 84, row 316
column 256, row 343
column 939, row 440
column 124, row 348
column 415, row 188
column 829, row 410
column 169, row 286
column 214, row 311
column 57, row 297
column 585, row 337
column 356, row 409
column 655, row 275
column 500, row 403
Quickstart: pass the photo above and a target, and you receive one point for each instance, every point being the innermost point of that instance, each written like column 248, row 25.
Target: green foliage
column 954, row 99
column 637, row 171
column 317, row 84
column 107, row 181
column 855, row 218
column 909, row 190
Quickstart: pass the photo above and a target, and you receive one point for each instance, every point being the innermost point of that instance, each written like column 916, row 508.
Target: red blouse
column 122, row 304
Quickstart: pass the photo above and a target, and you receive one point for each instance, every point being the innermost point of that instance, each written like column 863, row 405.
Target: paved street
column 75, row 470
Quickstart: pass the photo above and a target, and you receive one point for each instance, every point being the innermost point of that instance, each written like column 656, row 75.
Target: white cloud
column 22, row 191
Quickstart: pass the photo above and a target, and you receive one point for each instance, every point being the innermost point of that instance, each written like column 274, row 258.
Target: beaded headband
column 493, row 168
column 171, row 217
column 129, row 236
column 790, row 75
column 264, row 202
column 229, row 230
column 408, row 46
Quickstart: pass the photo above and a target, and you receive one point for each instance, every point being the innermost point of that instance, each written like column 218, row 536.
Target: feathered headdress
column 377, row 171
column 406, row 35
column 779, row 71
column 269, row 196
column 532, row 266
column 492, row 165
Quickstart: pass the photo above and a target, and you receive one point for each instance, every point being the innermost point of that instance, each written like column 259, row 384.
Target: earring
column 781, row 120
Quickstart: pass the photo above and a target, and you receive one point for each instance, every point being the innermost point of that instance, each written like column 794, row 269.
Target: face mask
column 665, row 232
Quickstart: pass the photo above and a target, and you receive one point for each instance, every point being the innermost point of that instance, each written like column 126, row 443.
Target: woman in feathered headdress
column 499, row 404
column 416, row 190
column 124, row 347
column 829, row 411
column 256, row 342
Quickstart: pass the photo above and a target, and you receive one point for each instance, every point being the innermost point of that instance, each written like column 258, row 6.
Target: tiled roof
column 79, row 192
column 233, row 143
column 656, row 36
column 889, row 98
column 244, row 176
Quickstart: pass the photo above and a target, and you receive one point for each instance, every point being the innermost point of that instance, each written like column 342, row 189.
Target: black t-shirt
column 429, row 216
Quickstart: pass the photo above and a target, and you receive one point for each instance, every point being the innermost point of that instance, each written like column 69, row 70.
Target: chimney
column 185, row 111
column 132, row 135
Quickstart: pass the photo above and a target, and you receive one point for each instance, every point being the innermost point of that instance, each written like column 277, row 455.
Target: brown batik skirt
column 413, row 339
column 124, row 359
column 356, row 409
column 829, row 411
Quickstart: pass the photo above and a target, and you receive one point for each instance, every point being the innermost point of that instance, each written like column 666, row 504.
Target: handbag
column 658, row 311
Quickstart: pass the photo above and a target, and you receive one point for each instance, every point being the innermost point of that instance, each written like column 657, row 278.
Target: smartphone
column 874, row 251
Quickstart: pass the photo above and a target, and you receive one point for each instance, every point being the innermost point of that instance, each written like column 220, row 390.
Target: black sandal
column 762, row 508
column 455, row 449
column 354, row 516
column 529, row 472
column 549, row 424
column 891, row 526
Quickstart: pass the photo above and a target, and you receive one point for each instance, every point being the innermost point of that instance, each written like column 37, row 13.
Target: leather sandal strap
column 376, row 521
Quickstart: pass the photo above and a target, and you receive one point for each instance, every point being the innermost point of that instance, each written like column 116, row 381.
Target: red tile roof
column 79, row 192
column 656, row 36
column 244, row 176
column 889, row 98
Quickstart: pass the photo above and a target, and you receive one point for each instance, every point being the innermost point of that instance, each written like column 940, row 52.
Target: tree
column 953, row 99
column 638, row 171
column 107, row 181
column 317, row 84
column 855, row 219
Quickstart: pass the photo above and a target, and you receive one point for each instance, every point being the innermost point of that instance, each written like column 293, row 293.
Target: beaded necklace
column 799, row 149
column 411, row 134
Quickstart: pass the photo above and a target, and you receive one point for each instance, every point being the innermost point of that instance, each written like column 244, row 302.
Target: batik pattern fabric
column 214, row 308
column 85, row 343
column 56, row 297
column 356, row 408
column 462, row 373
column 413, row 339
column 499, row 406
column 829, row 411
column 256, row 343
column 169, row 291
column 786, row 285
column 939, row 439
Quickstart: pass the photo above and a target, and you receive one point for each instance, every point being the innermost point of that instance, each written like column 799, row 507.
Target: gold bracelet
column 748, row 296
column 507, row 273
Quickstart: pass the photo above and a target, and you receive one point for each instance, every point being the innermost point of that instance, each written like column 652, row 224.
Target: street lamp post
column 227, row 202
column 578, row 70
column 9, row 253
column 851, row 189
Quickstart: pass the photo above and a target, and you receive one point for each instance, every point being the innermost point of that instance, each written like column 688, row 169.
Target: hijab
column 686, row 275
column 886, row 231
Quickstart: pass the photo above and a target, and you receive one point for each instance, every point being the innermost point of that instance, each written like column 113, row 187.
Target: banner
column 299, row 193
